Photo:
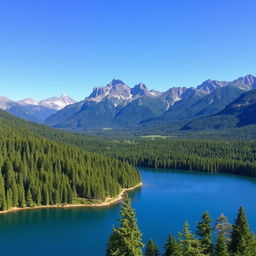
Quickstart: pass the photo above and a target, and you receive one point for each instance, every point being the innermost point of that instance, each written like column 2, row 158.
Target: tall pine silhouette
column 221, row 248
column 242, row 239
column 172, row 247
column 126, row 240
column 151, row 249
column 204, row 232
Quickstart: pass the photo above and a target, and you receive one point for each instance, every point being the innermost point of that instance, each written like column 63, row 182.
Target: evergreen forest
column 234, row 157
column 37, row 171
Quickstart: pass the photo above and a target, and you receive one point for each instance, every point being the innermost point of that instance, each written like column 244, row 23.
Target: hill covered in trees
column 208, row 156
column 236, row 157
column 38, row 171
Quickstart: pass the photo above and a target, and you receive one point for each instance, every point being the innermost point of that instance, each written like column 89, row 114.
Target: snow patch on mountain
column 57, row 103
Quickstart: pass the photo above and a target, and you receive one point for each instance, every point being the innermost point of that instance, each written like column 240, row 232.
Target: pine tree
column 45, row 195
column 242, row 239
column 189, row 244
column 172, row 248
column 11, row 183
column 126, row 240
column 221, row 248
column 2, row 194
column 151, row 249
column 29, row 199
column 9, row 199
column 113, row 246
column 22, row 199
column 204, row 232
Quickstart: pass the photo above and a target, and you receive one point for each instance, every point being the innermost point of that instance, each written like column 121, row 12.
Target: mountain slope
column 35, row 111
column 31, row 113
column 198, row 104
column 181, row 109
column 215, row 101
column 239, row 113
column 59, row 117
column 140, row 109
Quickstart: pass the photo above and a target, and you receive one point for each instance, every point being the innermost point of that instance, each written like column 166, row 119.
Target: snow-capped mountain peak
column 28, row 101
column 57, row 102
column 116, row 90
column 5, row 103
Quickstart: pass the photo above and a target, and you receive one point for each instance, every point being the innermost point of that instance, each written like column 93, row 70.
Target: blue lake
column 165, row 201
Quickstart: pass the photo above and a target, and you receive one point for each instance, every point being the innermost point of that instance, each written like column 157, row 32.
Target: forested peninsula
column 40, row 172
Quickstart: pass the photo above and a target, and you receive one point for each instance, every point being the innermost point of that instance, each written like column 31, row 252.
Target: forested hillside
column 38, row 171
column 236, row 157
column 228, row 157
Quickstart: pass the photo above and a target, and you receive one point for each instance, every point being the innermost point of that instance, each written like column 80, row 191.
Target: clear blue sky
column 52, row 46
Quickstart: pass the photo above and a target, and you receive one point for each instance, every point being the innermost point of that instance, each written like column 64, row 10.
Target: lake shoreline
column 107, row 202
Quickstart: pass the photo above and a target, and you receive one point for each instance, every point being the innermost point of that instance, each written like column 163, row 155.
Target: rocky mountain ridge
column 118, row 105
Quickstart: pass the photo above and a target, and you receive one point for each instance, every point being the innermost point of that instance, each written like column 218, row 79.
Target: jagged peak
column 139, row 89
column 57, row 102
column 209, row 85
column 245, row 81
column 116, row 89
column 115, row 82
column 142, row 86
column 28, row 101
column 64, row 95
column 250, row 76
column 247, row 78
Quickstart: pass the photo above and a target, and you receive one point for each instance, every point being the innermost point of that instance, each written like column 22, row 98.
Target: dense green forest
column 228, row 157
column 210, row 239
column 37, row 171
column 235, row 157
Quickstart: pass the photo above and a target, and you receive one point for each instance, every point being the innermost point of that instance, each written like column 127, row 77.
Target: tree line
column 235, row 157
column 37, row 171
column 222, row 239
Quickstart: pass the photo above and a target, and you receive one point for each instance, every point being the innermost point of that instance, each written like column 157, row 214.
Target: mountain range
column 35, row 111
column 119, row 106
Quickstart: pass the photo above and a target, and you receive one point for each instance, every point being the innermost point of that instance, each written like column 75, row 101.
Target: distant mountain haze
column 35, row 111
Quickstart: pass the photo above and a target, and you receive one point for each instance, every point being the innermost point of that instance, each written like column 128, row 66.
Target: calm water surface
column 165, row 201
